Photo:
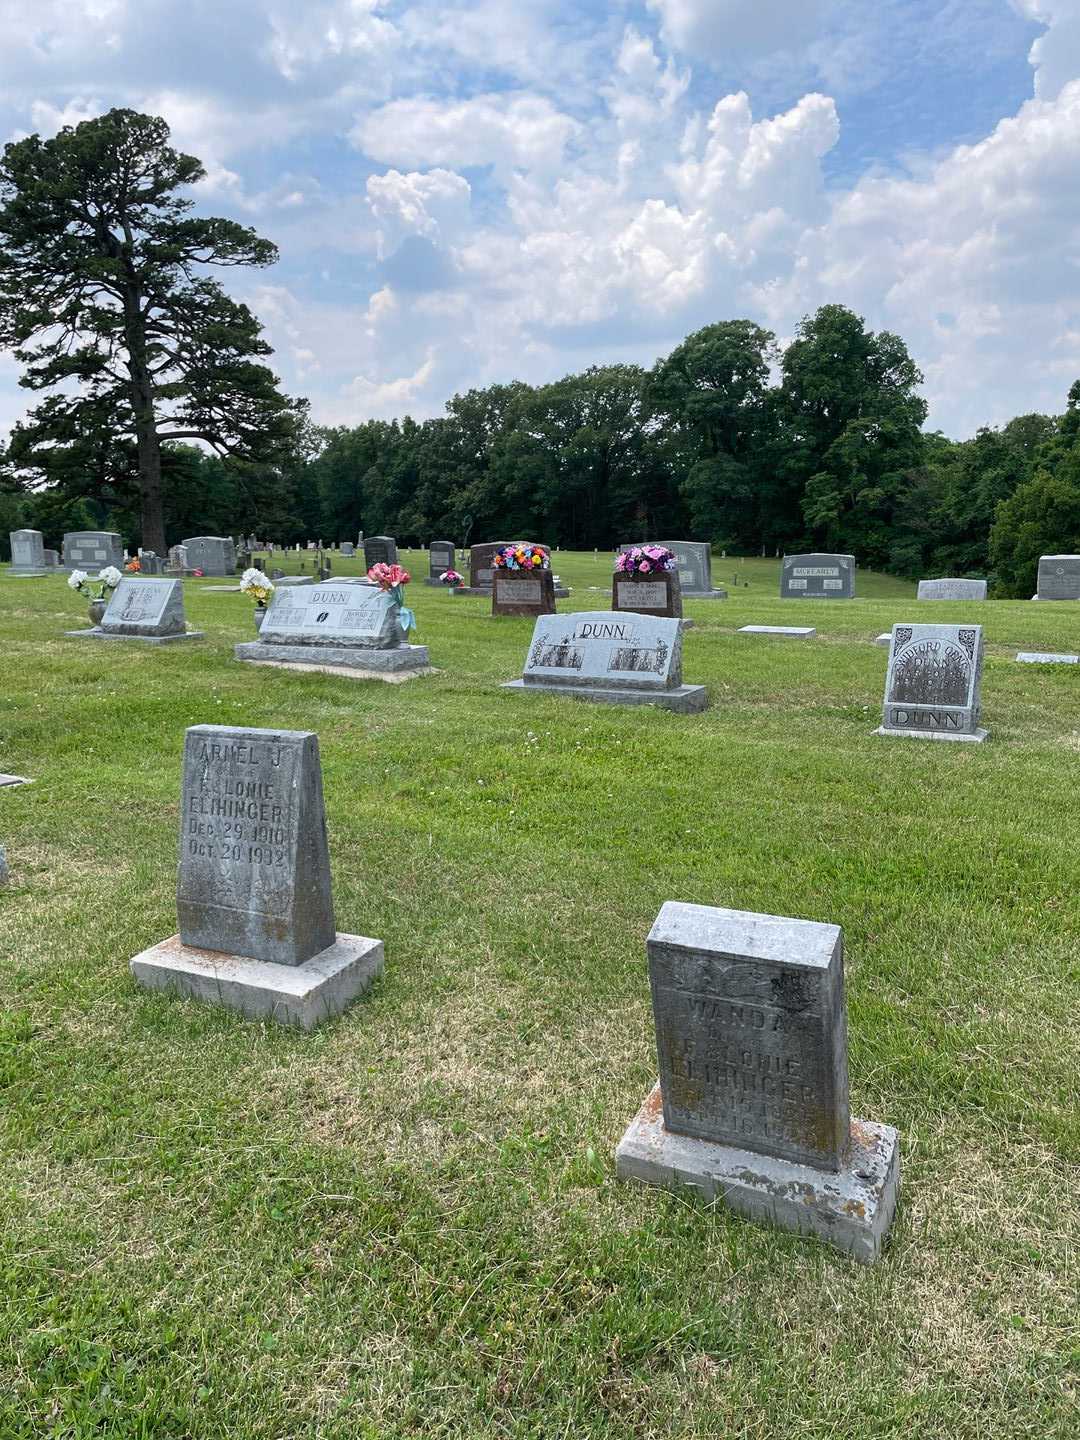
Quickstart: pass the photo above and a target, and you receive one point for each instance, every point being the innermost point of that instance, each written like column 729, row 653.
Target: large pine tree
column 104, row 300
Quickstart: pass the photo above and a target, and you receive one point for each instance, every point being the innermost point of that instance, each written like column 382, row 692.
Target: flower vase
column 260, row 616
column 97, row 611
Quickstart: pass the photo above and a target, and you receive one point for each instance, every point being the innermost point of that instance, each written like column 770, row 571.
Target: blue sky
column 471, row 191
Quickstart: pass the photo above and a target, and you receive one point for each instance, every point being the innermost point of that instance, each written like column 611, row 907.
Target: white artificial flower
column 77, row 578
column 111, row 576
column 255, row 580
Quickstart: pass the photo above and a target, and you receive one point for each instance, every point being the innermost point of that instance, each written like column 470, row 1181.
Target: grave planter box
column 655, row 594
column 526, row 593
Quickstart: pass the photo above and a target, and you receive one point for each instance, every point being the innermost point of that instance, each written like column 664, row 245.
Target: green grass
column 407, row 1224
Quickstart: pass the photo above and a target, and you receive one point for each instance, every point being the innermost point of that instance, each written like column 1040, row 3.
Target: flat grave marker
column 1036, row 657
column 793, row 632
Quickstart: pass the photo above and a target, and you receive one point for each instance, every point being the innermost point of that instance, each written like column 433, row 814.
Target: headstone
column 627, row 659
column 341, row 624
column 932, row 690
column 380, row 550
column 1059, row 577
column 793, row 632
column 212, row 554
column 441, row 557
column 694, row 558
column 253, row 894
column 52, row 559
column 525, row 593
column 92, row 550
column 149, row 563
column 481, row 564
column 952, row 589
column 348, row 549
column 1036, row 657
column 178, row 559
column 817, row 577
column 655, row 594
column 752, row 1104
column 148, row 610
column 27, row 552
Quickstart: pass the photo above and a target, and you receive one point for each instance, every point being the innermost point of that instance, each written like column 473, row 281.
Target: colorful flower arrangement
column 645, row 560
column 107, row 579
column 255, row 583
column 452, row 578
column 133, row 566
column 521, row 557
column 392, row 579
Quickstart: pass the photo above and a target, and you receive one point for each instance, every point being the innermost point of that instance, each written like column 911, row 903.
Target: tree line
column 731, row 438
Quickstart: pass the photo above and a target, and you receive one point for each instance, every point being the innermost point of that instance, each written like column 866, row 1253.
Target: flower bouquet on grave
column 95, row 590
column 452, row 578
column 260, row 588
column 521, row 557
column 644, row 560
column 133, row 566
column 393, row 579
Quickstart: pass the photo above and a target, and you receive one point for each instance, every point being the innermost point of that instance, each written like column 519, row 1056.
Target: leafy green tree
column 102, row 298
column 1041, row 518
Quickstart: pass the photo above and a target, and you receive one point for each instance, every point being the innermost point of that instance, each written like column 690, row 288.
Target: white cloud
column 725, row 29
column 385, row 399
column 1055, row 54
column 434, row 205
column 507, row 131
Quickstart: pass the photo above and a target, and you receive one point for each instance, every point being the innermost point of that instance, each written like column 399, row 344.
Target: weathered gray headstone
column 337, row 623
column 380, row 550
column 694, row 559
column 93, row 550
column 212, row 554
column 946, row 589
column 932, row 689
column 441, row 555
column 752, row 1104
column 253, row 893
column 149, row 610
column 52, row 559
column 817, row 577
column 482, row 565
column 348, row 549
column 27, row 552
column 617, row 659
column 178, row 558
column 149, row 563
column 1059, row 577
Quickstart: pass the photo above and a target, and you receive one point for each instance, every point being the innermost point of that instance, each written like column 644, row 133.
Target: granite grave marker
column 752, row 1103
column 93, row 550
column 625, row 659
column 212, row 554
column 340, row 623
column 27, row 553
column 525, row 593
column 932, row 689
column 380, row 550
column 1059, row 577
column 659, row 593
column 149, row 610
column 441, row 557
column 817, row 577
column 946, row 589
column 253, row 896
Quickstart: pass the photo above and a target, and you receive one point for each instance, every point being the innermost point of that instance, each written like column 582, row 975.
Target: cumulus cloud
column 1056, row 54
column 723, row 29
column 506, row 131
column 434, row 205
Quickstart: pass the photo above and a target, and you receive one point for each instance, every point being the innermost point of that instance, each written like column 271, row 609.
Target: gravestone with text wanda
column 256, row 918
column 752, row 1103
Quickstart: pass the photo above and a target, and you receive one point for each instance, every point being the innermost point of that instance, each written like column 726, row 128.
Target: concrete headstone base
column 971, row 737
column 683, row 699
column 302, row 995
column 851, row 1209
column 98, row 634
column 27, row 574
column 404, row 660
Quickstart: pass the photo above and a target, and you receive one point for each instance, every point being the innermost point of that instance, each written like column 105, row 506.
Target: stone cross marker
column 932, row 689
column 212, row 554
column 380, row 550
column 27, row 552
column 619, row 659
column 752, row 1104
column 817, row 577
column 1059, row 577
column 952, row 589
column 253, row 892
column 92, row 550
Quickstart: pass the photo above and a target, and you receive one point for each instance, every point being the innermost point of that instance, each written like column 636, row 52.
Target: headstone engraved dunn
column 524, row 593
column 342, row 624
column 752, row 1103
column 628, row 659
column 380, row 550
column 946, row 589
column 1059, row 577
column 818, row 577
column 27, row 553
column 253, row 895
column 441, row 557
column 148, row 610
column 92, row 550
column 932, row 689
column 212, row 554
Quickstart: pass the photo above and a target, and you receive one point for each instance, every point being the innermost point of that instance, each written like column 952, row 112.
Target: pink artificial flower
column 644, row 567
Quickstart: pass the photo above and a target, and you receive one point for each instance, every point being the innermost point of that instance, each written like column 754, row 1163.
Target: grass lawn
column 407, row 1224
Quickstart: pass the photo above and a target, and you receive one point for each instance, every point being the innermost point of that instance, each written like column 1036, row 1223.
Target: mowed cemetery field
column 407, row 1223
